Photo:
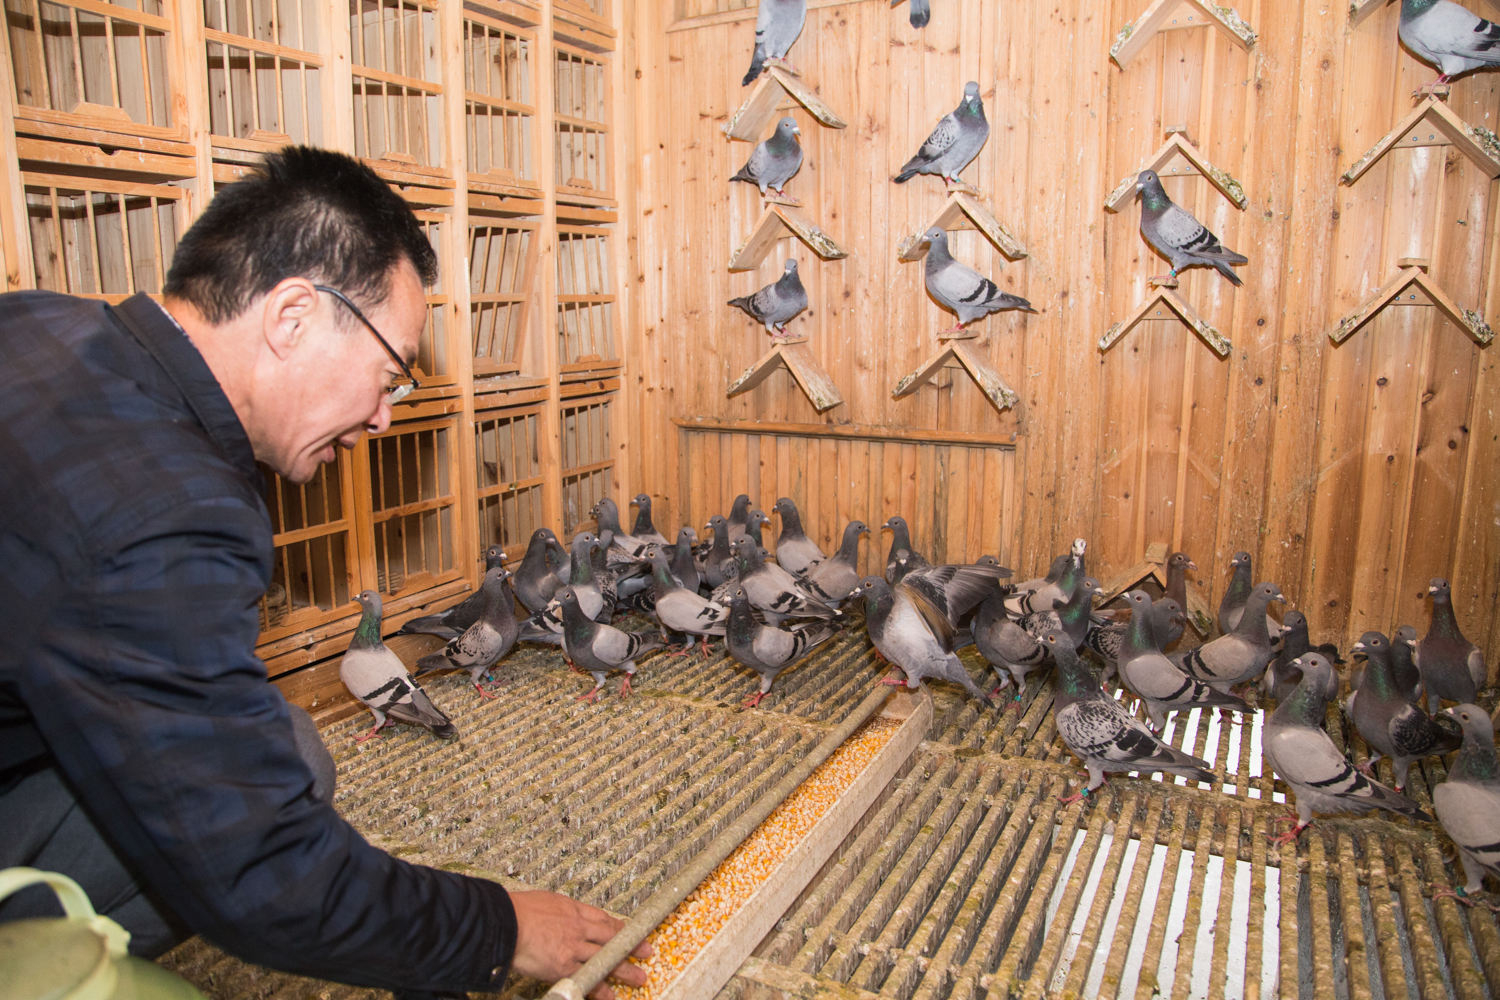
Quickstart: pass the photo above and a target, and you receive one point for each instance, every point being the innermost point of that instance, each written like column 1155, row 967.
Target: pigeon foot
column 372, row 734
column 780, row 61
column 1438, row 88
column 592, row 697
column 754, row 700
column 953, row 184
column 894, row 681
column 625, row 687
column 484, row 693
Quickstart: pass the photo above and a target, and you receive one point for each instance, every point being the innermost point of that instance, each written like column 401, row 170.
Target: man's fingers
column 643, row 950
column 630, row 974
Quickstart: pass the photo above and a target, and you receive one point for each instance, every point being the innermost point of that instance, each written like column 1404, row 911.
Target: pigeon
column 1468, row 803
column 1240, row 656
column 1403, row 668
column 777, row 25
column 921, row 12
column 378, row 678
column 776, row 304
column 1177, row 236
column 1015, row 649
column 773, row 162
column 544, row 570
column 1052, row 590
column 1054, row 573
column 774, row 592
column 1452, row 667
column 795, row 552
column 768, row 649
column 900, row 539
column 719, row 566
column 452, row 622
column 954, row 142
column 621, row 547
column 1391, row 724
column 1155, row 679
column 1232, row 605
column 1281, row 677
column 834, row 578
column 598, row 648
column 1301, row 753
column 683, row 565
column 913, row 635
column 1178, row 564
column 1101, row 733
column 959, row 288
column 739, row 517
column 547, row 625
column 754, row 526
column 1448, row 36
column 684, row 611
column 484, row 643
column 644, row 529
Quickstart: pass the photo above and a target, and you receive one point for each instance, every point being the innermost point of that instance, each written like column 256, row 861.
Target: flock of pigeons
column 1439, row 32
column 772, row 612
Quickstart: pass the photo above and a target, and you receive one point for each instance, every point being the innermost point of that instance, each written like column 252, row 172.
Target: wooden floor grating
column 968, row 879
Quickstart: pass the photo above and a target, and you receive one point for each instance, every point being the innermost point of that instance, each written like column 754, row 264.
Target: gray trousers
column 46, row 828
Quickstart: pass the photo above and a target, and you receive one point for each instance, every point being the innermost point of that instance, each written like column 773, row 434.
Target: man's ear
column 286, row 315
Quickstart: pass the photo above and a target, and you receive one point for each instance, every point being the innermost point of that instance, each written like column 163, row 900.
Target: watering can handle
column 75, row 903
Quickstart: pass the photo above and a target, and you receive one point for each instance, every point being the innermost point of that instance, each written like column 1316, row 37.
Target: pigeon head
column 971, row 94
column 1096, row 588
column 1294, row 619
column 493, row 556
column 1318, row 681
column 1372, row 641
column 894, row 523
column 1153, row 195
column 1079, row 546
column 1269, row 591
column 1138, row 599
column 860, row 527
column 787, row 127
column 790, row 268
column 495, row 575
column 784, row 506
column 567, row 597
column 1180, row 559
column 1474, row 721
column 1439, row 588
column 640, row 500
column 1406, row 633
column 369, row 600
column 936, row 239
column 1240, row 559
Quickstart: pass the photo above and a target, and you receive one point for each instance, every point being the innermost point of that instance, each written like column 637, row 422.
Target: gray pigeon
column 1232, row 604
column 914, row 635
column 452, row 622
column 719, row 566
column 1178, row 564
column 959, row 288
column 1101, row 733
column 1281, row 677
column 683, row 564
column 1240, row 656
column 644, row 529
column 1051, row 591
column 598, row 648
column 901, row 541
column 1448, row 36
column 1452, row 667
column 1403, row 668
column 775, row 593
column 795, row 552
column 1177, row 236
column 739, row 517
column 484, row 643
column 378, row 678
column 1468, row 803
column 777, row 25
column 834, row 578
column 1155, row 679
column 544, row 570
column 954, row 142
column 768, row 649
column 774, row 305
column 921, row 13
column 773, row 162
column 1301, row 753
column 684, row 611
column 1017, row 648
column 1391, row 724
column 584, row 581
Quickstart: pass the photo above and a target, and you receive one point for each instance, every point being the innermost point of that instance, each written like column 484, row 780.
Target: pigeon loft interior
column 1333, row 411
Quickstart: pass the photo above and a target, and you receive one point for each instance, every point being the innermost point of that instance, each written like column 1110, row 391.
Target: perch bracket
column 995, row 389
column 963, row 211
column 1158, row 307
column 1169, row 15
column 768, row 229
column 771, row 90
column 1442, row 127
column 1415, row 274
column 1178, row 145
column 806, row 372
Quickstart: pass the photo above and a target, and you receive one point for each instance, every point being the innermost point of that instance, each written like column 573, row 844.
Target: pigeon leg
column 781, row 61
column 591, row 697
column 484, row 694
column 1292, row 834
column 1440, row 891
column 705, row 644
column 1163, row 280
column 373, row 733
column 754, row 700
column 625, row 686
column 782, row 198
column 1368, row 767
column 894, row 681
column 953, row 329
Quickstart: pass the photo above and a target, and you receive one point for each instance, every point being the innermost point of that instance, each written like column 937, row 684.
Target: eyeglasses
column 400, row 390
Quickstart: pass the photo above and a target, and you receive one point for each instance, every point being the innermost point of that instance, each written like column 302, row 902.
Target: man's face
column 336, row 390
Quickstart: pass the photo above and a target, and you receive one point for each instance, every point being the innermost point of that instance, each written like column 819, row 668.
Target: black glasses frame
column 400, row 390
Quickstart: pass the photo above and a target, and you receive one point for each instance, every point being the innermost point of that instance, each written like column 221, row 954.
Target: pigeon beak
column 1359, row 649
column 1192, row 566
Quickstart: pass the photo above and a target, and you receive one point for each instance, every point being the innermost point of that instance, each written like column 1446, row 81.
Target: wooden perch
column 1444, row 129
column 990, row 383
column 963, row 211
column 1167, row 297
column 768, row 229
column 1169, row 15
column 1178, row 144
column 1154, row 566
column 806, row 372
column 749, row 123
column 1466, row 319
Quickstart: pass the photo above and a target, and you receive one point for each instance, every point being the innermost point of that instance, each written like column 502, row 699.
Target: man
column 141, row 748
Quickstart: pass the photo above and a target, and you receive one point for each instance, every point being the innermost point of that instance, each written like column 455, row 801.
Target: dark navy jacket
column 134, row 549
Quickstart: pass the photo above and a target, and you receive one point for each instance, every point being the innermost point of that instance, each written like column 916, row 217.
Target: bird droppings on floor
column 967, row 879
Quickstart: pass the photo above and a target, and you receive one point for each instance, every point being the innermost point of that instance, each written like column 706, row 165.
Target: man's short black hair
column 304, row 212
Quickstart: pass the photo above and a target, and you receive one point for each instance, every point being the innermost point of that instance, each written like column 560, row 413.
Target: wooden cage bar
column 499, row 106
column 264, row 66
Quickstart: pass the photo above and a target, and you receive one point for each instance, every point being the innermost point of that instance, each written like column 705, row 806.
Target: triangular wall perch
column 1157, row 307
column 1154, row 566
column 806, row 372
column 768, row 229
column 1361, row 9
column 1413, row 272
column 989, row 381
column 1178, row 144
column 775, row 85
column 1169, row 15
column 1443, row 128
column 963, row 211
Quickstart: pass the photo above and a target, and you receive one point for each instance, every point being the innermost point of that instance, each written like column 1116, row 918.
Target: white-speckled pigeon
column 378, row 678
column 1468, row 803
column 1449, row 36
column 1176, row 235
column 598, row 648
column 1391, row 724
column 913, row 635
column 954, row 142
column 960, row 289
column 777, row 25
column 795, row 552
column 487, row 640
column 1301, row 753
column 777, row 303
column 775, row 161
column 768, row 649
column 1452, row 667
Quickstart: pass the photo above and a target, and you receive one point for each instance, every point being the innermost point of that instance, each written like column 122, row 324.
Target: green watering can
column 81, row 956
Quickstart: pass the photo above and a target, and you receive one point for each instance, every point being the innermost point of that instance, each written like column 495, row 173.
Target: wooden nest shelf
column 1442, row 128
column 1178, row 147
column 959, row 353
column 1413, row 272
column 1164, row 304
column 774, row 87
column 810, row 377
column 1174, row 15
column 774, row 221
column 963, row 211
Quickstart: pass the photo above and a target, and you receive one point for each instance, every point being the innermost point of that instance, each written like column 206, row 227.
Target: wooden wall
column 1352, row 473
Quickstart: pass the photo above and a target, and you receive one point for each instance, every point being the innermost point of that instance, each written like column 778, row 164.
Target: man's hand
column 555, row 935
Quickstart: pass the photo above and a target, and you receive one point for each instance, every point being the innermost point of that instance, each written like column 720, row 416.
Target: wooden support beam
column 770, row 93
column 1178, row 145
column 1432, row 123
column 1467, row 320
column 810, row 377
column 963, row 211
column 1170, row 15
column 1152, row 309
column 769, row 228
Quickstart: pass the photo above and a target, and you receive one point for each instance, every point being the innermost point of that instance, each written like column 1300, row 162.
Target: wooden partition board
column 1353, row 473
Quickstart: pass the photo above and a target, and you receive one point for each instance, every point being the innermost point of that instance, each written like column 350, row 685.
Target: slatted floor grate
column 968, row 879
